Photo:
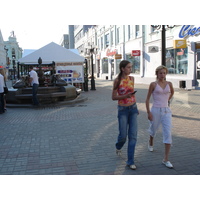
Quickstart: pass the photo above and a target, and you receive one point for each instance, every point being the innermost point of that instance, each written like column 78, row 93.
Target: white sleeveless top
column 161, row 96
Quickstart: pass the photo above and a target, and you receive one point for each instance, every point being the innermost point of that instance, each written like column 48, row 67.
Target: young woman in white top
column 160, row 113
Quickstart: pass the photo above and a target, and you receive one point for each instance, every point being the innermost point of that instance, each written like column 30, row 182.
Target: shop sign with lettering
column 180, row 44
column 111, row 52
column 189, row 30
column 118, row 56
column 135, row 53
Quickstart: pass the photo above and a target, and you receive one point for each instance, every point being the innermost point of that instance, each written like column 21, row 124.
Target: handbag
column 5, row 90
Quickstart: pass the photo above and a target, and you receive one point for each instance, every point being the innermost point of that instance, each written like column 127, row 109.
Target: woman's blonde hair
column 2, row 72
column 159, row 68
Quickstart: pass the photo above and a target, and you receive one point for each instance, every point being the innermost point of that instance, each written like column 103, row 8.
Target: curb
column 79, row 99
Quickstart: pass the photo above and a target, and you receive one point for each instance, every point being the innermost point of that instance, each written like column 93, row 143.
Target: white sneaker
column 133, row 167
column 150, row 147
column 118, row 152
column 167, row 164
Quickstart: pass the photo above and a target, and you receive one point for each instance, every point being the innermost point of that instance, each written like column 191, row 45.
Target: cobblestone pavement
column 80, row 138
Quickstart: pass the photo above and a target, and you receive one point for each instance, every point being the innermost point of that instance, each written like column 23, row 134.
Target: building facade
column 14, row 53
column 65, row 41
column 141, row 45
column 2, row 51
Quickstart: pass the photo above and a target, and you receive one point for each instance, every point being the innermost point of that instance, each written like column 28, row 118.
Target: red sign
column 135, row 53
column 111, row 52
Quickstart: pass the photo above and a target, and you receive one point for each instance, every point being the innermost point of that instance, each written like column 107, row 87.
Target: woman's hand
column 150, row 116
column 129, row 95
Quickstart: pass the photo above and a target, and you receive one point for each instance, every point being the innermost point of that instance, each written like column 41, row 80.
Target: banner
column 71, row 74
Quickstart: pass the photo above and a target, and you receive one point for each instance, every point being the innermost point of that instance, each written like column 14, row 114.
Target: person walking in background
column 123, row 91
column 35, row 84
column 2, row 84
column 160, row 113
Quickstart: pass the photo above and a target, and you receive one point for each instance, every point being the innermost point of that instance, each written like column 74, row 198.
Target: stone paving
column 79, row 139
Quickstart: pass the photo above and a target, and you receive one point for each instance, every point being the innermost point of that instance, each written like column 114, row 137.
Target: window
column 118, row 32
column 13, row 53
column 101, row 42
column 137, row 31
column 98, row 42
column 112, row 39
column 106, row 40
column 128, row 32
column 131, row 31
column 177, row 61
column 105, row 65
column 135, row 61
column 117, row 66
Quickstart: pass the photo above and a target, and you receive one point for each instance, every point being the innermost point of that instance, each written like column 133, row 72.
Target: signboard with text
column 135, row 53
column 71, row 74
column 179, row 44
column 189, row 30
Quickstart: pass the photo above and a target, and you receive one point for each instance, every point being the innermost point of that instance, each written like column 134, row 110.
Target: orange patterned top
column 126, row 86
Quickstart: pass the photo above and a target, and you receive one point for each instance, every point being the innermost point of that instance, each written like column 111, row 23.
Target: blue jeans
column 34, row 91
column 127, row 118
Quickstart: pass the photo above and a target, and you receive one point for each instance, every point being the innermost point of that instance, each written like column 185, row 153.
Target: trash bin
column 106, row 77
column 182, row 84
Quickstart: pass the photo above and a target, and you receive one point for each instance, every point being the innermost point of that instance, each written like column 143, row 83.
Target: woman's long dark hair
column 122, row 65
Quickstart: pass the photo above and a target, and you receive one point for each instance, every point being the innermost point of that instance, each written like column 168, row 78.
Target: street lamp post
column 163, row 41
column 85, row 84
column 92, row 77
column 14, row 68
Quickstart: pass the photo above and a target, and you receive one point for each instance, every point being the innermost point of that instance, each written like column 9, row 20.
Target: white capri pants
column 161, row 116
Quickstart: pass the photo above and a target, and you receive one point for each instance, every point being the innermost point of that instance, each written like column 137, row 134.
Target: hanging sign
column 179, row 44
column 197, row 45
column 135, row 53
column 118, row 56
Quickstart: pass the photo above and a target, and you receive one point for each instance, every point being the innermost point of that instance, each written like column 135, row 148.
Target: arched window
column 13, row 53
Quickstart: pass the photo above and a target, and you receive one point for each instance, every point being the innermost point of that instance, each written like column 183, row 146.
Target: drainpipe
column 143, row 51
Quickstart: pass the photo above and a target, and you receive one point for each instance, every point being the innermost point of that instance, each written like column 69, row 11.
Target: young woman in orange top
column 123, row 89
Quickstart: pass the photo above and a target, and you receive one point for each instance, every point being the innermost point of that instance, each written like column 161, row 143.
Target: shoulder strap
column 130, row 78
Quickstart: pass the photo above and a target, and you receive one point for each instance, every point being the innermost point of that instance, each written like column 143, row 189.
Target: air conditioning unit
column 153, row 49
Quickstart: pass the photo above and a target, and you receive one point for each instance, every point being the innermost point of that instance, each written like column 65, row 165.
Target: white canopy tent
column 68, row 65
column 49, row 53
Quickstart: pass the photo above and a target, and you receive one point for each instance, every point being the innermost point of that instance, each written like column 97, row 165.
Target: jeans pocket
column 168, row 110
column 121, row 108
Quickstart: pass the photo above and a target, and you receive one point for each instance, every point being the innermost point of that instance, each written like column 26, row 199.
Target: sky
column 39, row 22
column 35, row 23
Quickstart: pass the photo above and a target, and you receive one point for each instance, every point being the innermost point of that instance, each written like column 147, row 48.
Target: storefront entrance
column 198, row 68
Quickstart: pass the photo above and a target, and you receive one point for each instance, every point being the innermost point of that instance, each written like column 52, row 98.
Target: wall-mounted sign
column 197, row 45
column 110, row 52
column 118, row 56
column 135, row 53
column 153, row 49
column 189, row 30
column 180, row 53
column 179, row 44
